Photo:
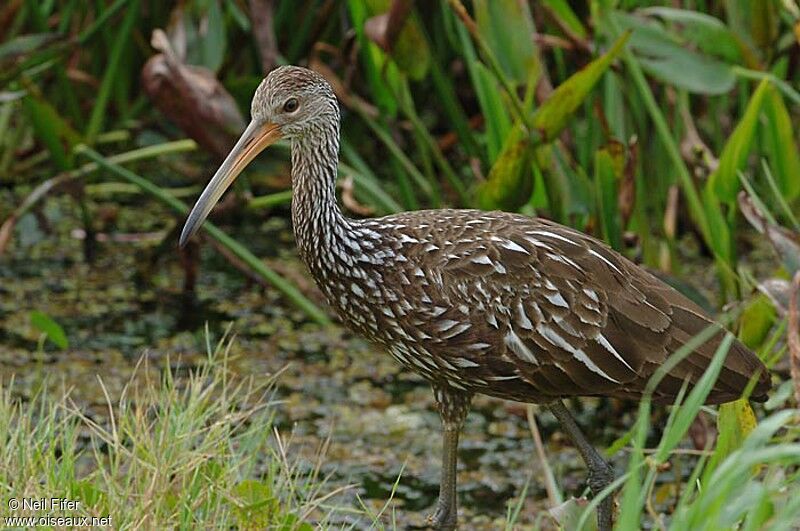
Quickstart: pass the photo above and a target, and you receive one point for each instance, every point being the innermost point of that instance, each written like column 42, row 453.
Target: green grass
column 201, row 452
column 172, row 453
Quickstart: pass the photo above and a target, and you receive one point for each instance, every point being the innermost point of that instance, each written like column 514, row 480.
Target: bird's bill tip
column 253, row 141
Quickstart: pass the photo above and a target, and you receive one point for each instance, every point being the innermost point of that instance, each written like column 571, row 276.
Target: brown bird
column 479, row 302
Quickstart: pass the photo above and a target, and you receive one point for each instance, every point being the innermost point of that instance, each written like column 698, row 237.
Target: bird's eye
column 291, row 105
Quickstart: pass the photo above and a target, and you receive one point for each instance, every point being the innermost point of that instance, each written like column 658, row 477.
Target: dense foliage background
column 666, row 130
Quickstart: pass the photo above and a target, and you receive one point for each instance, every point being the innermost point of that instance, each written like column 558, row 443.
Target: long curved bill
column 252, row 142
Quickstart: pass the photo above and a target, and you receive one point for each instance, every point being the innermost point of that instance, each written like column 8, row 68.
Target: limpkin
column 497, row 303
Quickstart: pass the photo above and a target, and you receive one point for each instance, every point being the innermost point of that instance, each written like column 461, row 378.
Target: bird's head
column 296, row 100
column 290, row 103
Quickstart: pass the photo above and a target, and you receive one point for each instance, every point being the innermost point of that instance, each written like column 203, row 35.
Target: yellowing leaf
column 411, row 51
column 400, row 36
column 735, row 422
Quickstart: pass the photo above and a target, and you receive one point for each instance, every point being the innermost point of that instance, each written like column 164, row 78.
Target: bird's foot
column 445, row 518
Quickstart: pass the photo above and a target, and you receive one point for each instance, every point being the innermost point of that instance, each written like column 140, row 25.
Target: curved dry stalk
column 549, row 479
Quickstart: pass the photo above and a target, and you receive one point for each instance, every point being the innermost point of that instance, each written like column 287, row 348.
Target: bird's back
column 523, row 308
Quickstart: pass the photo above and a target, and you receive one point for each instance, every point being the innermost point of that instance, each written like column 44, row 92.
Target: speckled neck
column 317, row 219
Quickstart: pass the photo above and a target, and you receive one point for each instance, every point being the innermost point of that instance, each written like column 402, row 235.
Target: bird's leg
column 453, row 406
column 600, row 472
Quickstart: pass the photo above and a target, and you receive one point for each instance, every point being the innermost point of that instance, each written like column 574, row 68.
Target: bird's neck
column 317, row 219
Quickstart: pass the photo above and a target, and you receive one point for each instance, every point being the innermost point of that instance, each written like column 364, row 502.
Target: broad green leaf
column 609, row 162
column 709, row 34
column 552, row 116
column 780, row 146
column 497, row 121
column 739, row 18
column 87, row 492
column 507, row 27
column 725, row 181
column 569, row 190
column 756, row 322
column 662, row 57
column 508, row 185
column 46, row 325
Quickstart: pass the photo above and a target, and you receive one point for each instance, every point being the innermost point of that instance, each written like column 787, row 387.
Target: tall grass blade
column 121, row 40
column 697, row 397
column 725, row 181
column 779, row 144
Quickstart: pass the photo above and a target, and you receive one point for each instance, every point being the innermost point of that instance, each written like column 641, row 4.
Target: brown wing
column 560, row 311
column 646, row 321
